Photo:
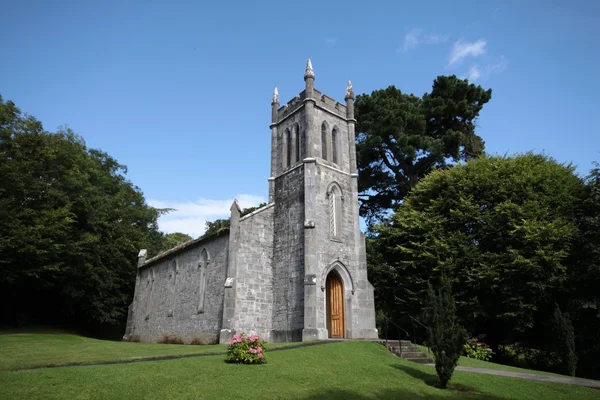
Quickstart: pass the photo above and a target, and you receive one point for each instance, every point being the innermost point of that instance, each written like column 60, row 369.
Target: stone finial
column 349, row 91
column 235, row 206
column 275, row 96
column 309, row 72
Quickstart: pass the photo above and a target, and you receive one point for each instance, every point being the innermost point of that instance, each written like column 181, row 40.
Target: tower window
column 324, row 141
column 289, row 148
column 284, row 149
column 335, row 212
column 296, row 143
column 335, row 137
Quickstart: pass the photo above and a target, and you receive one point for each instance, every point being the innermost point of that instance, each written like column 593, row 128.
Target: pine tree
column 445, row 335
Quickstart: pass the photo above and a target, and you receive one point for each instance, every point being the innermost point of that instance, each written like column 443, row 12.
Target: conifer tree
column 565, row 340
column 446, row 336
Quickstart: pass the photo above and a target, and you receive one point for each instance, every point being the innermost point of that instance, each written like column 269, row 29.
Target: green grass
column 471, row 362
column 25, row 350
column 348, row 370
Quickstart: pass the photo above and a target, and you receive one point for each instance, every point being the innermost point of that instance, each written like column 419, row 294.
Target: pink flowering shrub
column 243, row 349
column 478, row 350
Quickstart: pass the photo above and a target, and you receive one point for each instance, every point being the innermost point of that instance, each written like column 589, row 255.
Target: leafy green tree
column 446, row 336
column 401, row 138
column 565, row 341
column 501, row 228
column 71, row 226
column 220, row 224
column 171, row 240
column 582, row 295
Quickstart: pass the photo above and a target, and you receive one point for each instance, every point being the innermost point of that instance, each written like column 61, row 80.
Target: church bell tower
column 320, row 285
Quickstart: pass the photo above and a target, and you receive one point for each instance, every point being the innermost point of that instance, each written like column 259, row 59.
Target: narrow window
column 202, row 266
column 289, row 147
column 150, row 285
column 334, row 146
column 323, row 142
column 284, row 147
column 173, row 279
column 294, row 147
column 297, row 152
column 335, row 212
column 332, row 214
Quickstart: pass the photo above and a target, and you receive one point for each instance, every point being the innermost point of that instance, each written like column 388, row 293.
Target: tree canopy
column 500, row 228
column 71, row 226
column 401, row 138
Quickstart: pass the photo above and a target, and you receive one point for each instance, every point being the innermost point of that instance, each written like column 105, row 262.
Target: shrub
column 242, row 349
column 170, row 339
column 478, row 350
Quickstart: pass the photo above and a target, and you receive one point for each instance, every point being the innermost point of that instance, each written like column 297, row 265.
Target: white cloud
column 330, row 42
column 462, row 50
column 416, row 37
column 477, row 71
column 190, row 216
column 474, row 73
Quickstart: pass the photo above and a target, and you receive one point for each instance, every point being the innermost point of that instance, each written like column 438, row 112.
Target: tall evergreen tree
column 446, row 336
column 402, row 137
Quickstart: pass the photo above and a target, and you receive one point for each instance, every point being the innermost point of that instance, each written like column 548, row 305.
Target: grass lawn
column 24, row 350
column 471, row 362
column 348, row 370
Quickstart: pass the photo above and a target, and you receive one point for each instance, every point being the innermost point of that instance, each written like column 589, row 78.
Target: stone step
column 421, row 360
column 403, row 349
column 407, row 350
column 411, row 354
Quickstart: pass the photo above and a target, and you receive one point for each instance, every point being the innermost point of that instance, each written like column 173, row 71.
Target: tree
column 71, row 226
column 500, row 228
column 446, row 336
column 401, row 138
column 565, row 341
column 220, row 224
column 171, row 240
column 582, row 293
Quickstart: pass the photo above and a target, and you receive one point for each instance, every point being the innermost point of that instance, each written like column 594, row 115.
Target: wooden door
column 336, row 323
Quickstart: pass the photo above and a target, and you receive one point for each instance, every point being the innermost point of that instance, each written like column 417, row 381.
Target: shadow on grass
column 397, row 394
column 431, row 379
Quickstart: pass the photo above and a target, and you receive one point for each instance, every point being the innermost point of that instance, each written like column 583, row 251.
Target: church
column 293, row 270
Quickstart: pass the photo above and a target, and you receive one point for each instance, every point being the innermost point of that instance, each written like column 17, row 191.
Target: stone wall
column 254, row 286
column 288, row 256
column 167, row 294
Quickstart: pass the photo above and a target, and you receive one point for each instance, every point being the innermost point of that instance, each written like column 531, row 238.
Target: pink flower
column 259, row 349
column 260, row 355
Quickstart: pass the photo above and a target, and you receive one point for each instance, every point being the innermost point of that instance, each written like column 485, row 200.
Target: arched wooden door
column 336, row 321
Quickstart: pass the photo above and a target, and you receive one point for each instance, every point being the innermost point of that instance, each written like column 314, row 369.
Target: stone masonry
column 268, row 273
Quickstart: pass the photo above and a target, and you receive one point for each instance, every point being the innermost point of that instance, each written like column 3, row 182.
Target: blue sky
column 180, row 91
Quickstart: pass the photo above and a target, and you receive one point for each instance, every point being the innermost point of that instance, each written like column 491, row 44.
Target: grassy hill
column 348, row 370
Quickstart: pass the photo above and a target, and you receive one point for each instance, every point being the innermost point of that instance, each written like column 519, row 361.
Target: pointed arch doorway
column 336, row 318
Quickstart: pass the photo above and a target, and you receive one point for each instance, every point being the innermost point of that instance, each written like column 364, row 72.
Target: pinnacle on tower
column 309, row 72
column 349, row 91
column 275, row 96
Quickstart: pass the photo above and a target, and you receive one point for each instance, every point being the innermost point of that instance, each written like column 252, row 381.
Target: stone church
column 293, row 270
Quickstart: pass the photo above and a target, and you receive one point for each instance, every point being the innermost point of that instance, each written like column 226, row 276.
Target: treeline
column 71, row 226
column 518, row 237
